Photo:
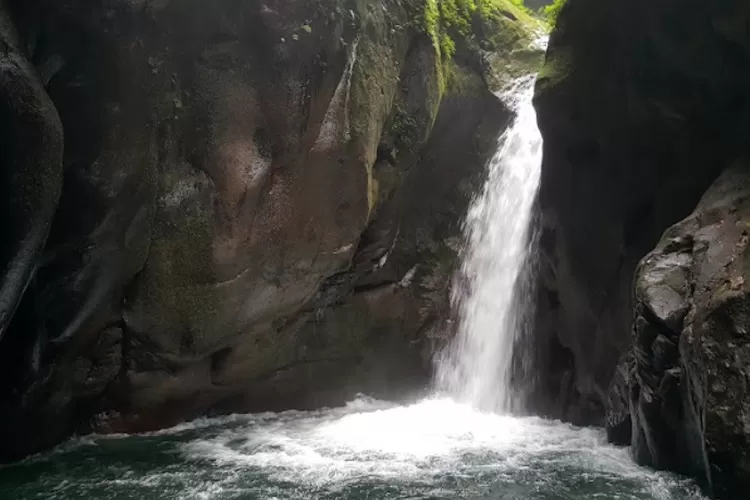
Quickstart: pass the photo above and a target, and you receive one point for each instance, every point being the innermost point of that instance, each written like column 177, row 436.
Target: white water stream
column 489, row 296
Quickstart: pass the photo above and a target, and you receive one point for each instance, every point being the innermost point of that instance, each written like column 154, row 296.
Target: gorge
column 320, row 249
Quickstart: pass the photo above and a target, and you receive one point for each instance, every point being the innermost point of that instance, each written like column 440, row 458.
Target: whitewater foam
column 419, row 443
column 435, row 449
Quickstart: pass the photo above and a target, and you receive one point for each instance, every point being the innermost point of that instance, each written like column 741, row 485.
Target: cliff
column 212, row 207
column 642, row 104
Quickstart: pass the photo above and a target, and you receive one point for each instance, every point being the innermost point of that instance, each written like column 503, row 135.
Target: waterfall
column 490, row 293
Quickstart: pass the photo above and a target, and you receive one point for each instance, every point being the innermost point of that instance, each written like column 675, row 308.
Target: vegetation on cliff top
column 444, row 19
column 490, row 25
column 550, row 12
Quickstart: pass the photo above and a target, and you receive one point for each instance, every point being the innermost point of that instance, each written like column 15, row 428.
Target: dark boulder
column 690, row 399
column 641, row 104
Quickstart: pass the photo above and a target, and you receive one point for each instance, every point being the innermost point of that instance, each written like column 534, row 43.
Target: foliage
column 440, row 17
column 550, row 12
column 445, row 21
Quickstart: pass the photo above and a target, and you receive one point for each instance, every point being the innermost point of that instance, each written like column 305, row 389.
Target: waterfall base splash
column 436, row 449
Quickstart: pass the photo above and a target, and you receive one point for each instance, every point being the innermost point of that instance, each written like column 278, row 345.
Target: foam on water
column 417, row 442
column 434, row 449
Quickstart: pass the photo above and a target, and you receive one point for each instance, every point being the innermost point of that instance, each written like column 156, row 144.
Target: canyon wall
column 642, row 105
column 213, row 207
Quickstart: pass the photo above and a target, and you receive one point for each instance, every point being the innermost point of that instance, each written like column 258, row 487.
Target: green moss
column 177, row 286
column 430, row 18
column 467, row 27
column 552, row 11
column 555, row 70
column 436, row 27
column 507, row 25
column 513, row 10
column 399, row 104
column 457, row 14
column 373, row 192
column 466, row 83
column 382, row 46
column 447, row 47
column 374, row 78
column 507, row 35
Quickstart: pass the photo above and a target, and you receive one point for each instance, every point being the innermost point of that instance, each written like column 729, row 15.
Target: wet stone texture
column 642, row 104
column 688, row 388
column 260, row 206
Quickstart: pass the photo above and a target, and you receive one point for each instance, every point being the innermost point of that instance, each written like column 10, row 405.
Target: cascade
column 491, row 295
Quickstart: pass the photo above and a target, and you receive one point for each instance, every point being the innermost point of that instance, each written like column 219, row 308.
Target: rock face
column 641, row 105
column 689, row 399
column 30, row 168
column 260, row 210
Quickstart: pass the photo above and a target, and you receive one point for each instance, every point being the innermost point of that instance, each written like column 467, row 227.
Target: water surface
column 436, row 449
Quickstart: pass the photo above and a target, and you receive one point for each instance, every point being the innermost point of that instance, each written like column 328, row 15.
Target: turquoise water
column 435, row 449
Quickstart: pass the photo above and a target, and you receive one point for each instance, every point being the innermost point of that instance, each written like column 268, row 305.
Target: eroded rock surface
column 30, row 168
column 641, row 105
column 261, row 205
column 689, row 395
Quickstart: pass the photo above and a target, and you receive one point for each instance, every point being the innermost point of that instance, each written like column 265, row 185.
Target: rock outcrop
column 641, row 105
column 260, row 210
column 689, row 399
column 30, row 168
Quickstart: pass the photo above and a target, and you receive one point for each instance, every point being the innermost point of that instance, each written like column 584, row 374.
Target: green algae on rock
column 497, row 37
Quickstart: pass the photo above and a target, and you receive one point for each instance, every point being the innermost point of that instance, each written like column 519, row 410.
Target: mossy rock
column 556, row 69
column 465, row 82
column 497, row 38
column 509, row 43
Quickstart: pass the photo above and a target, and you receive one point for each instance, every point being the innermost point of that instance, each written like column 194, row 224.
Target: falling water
column 489, row 297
